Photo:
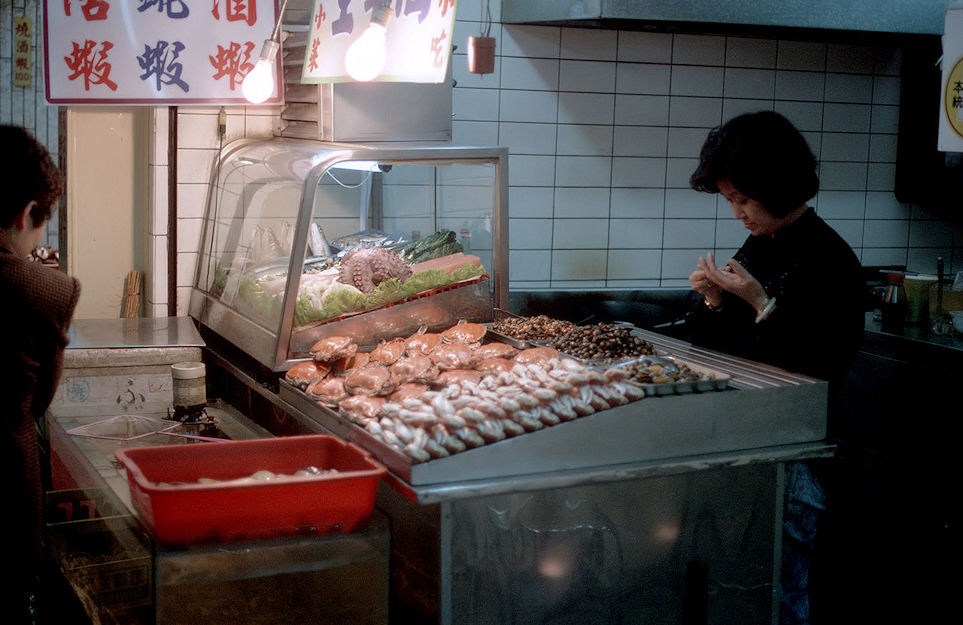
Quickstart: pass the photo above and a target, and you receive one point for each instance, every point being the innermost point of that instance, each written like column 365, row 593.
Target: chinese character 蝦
column 234, row 61
column 90, row 63
column 161, row 63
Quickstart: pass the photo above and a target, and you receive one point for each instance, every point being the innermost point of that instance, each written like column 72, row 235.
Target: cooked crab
column 333, row 348
column 371, row 379
column 360, row 408
column 413, row 368
column 453, row 356
column 328, row 391
column 422, row 341
column 304, row 373
column 495, row 349
column 408, row 390
column 388, row 352
column 464, row 332
column 494, row 365
column 458, row 376
column 536, row 354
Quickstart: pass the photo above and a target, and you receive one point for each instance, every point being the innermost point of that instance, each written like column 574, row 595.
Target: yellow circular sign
column 953, row 100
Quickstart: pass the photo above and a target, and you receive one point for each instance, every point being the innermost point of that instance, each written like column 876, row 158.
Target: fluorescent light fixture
column 365, row 58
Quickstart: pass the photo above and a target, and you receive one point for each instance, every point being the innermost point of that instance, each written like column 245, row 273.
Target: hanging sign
column 154, row 52
column 951, row 100
column 417, row 39
column 22, row 51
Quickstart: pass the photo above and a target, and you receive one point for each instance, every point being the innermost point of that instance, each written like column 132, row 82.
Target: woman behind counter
column 38, row 304
column 792, row 296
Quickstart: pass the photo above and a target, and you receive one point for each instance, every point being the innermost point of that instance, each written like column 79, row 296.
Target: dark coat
column 817, row 325
column 36, row 305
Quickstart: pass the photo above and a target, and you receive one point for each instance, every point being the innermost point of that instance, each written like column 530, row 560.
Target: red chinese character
column 23, row 29
column 22, row 46
column 320, row 16
column 91, row 64
column 234, row 61
column 237, row 11
column 94, row 10
column 444, row 5
column 22, row 63
column 437, row 49
column 313, row 59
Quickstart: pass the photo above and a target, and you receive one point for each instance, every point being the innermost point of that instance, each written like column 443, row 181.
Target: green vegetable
column 388, row 292
column 466, row 272
column 426, row 280
column 431, row 246
column 342, row 301
column 305, row 312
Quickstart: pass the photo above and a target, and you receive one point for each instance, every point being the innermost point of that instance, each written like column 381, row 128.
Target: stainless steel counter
column 139, row 332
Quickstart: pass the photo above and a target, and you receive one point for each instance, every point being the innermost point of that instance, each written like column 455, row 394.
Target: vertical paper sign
column 951, row 102
column 418, row 39
column 22, row 51
column 154, row 51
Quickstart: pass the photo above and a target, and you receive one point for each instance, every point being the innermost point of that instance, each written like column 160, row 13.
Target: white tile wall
column 604, row 128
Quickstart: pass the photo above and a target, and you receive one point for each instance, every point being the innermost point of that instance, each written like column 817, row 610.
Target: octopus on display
column 366, row 268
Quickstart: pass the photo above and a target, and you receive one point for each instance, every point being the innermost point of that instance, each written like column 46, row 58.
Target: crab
column 413, row 368
column 303, row 374
column 360, row 408
column 536, row 354
column 458, row 376
column 453, row 356
column 495, row 349
column 371, row 379
column 464, row 332
column 422, row 341
column 494, row 365
column 328, row 391
column 333, row 347
column 408, row 390
column 388, row 352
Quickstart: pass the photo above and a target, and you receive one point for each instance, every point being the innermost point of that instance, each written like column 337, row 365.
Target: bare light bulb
column 258, row 84
column 366, row 57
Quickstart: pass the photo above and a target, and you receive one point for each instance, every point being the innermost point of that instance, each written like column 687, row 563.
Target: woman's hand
column 700, row 282
column 731, row 277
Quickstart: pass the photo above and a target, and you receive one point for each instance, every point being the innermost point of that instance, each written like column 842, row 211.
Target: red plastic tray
column 165, row 490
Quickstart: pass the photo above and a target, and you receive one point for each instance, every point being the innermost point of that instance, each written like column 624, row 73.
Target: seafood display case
column 304, row 240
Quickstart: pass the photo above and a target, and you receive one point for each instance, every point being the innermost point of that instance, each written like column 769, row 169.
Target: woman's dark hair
column 764, row 157
column 26, row 173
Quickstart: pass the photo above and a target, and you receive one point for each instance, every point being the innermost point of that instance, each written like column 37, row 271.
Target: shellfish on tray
column 359, row 408
column 305, row 373
column 333, row 347
column 422, row 341
column 495, row 349
column 387, row 352
column 328, row 391
column 453, row 356
column 536, row 354
column 413, row 368
column 371, row 379
column 464, row 332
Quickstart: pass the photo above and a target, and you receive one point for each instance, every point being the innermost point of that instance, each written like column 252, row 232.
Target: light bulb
column 366, row 57
column 258, row 84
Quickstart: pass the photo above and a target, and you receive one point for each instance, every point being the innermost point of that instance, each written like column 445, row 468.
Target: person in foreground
column 38, row 303
column 792, row 296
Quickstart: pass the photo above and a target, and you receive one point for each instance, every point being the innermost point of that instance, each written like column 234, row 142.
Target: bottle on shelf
column 894, row 306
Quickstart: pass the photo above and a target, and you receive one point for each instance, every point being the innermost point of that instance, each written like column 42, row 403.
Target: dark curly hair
column 26, row 173
column 764, row 157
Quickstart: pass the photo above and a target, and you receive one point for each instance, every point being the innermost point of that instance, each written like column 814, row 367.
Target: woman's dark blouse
column 817, row 324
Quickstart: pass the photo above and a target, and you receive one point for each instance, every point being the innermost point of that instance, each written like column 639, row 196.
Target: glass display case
column 304, row 239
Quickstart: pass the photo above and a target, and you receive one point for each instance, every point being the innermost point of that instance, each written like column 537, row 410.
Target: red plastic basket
column 166, row 493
